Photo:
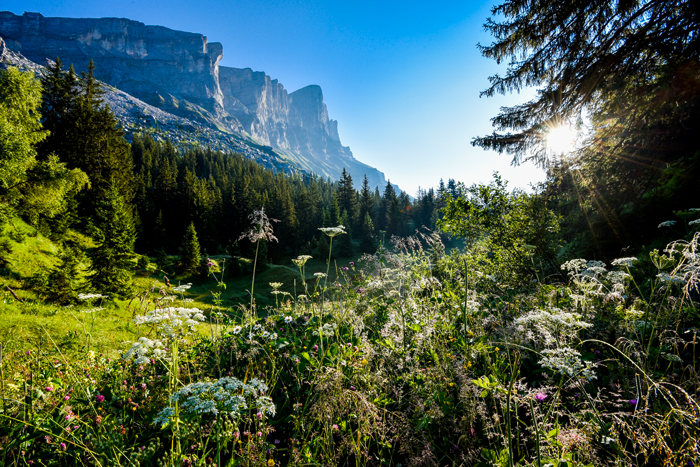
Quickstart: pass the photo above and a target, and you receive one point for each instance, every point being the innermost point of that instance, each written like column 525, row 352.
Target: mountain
column 176, row 73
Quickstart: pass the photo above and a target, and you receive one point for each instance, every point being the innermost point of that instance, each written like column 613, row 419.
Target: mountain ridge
column 179, row 73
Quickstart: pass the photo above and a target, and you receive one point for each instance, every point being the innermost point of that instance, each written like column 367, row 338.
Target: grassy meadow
column 412, row 356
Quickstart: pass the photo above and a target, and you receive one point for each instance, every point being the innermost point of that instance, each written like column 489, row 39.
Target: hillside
column 179, row 74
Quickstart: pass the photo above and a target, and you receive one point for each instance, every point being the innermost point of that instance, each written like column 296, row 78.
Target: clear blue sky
column 402, row 79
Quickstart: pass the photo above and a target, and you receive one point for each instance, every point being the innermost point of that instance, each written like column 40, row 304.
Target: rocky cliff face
column 179, row 72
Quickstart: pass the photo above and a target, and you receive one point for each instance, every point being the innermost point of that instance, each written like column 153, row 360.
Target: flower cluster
column 142, row 348
column 333, row 231
column 567, row 361
column 549, row 326
column 226, row 395
column 172, row 318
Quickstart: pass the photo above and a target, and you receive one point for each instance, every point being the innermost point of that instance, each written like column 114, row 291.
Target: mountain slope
column 179, row 73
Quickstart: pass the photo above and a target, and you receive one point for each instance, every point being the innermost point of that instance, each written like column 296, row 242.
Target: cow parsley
column 227, row 396
column 567, row 361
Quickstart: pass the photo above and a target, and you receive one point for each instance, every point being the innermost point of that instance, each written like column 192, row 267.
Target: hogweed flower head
column 333, row 231
column 226, row 395
column 301, row 260
column 667, row 224
column 627, row 262
column 567, row 361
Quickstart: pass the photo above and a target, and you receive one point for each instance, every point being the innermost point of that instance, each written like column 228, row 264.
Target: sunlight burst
column 561, row 139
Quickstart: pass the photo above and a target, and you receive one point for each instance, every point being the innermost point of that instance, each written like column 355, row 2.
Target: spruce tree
column 368, row 240
column 189, row 250
column 115, row 234
column 345, row 248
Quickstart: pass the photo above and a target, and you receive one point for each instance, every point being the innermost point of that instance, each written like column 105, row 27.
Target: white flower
column 567, row 361
column 696, row 221
column 333, row 231
column 256, row 327
column 320, row 274
column 667, row 224
column 265, row 334
column 90, row 296
column 627, row 262
column 237, row 329
column 182, row 288
column 288, row 319
column 274, row 336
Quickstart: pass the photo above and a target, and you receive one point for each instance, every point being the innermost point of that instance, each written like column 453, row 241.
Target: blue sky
column 402, row 79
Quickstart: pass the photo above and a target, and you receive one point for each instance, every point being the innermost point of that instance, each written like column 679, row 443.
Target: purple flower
column 29, row 352
column 315, row 348
column 277, row 441
column 346, row 269
column 63, row 446
column 48, row 388
column 259, row 415
column 352, row 388
column 66, row 397
column 540, row 396
column 99, row 398
column 633, row 402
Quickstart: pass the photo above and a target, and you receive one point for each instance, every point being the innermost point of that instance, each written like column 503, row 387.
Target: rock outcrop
column 179, row 73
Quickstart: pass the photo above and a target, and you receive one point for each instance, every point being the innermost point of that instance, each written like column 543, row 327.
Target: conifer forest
column 173, row 305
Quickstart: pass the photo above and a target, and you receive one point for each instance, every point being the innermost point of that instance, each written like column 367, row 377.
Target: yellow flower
column 364, row 361
column 270, row 462
column 497, row 349
column 452, row 384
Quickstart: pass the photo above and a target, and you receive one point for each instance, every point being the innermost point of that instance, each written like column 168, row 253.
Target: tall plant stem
column 255, row 263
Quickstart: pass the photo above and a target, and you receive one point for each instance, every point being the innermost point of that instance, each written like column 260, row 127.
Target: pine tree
column 115, row 234
column 368, row 240
column 345, row 248
column 189, row 250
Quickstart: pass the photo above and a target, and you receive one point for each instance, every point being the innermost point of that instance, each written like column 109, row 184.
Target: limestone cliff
column 179, row 72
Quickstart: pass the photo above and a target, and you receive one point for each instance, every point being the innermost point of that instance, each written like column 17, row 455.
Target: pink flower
column 335, row 427
column 66, row 397
column 99, row 398
column 63, row 446
column 540, row 396
column 259, row 415
column 48, row 388
column 259, row 434
column 315, row 348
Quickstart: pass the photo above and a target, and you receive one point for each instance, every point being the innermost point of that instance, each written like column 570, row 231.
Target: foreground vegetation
column 410, row 356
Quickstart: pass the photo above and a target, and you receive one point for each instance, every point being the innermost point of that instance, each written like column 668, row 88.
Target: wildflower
column 262, row 229
column 29, row 352
column 63, row 446
column 266, row 334
column 48, row 388
column 48, row 439
column 90, row 296
column 259, row 433
column 696, row 221
column 352, row 263
column 567, row 361
column 301, row 260
column 315, row 348
column 667, row 224
column 270, row 462
column 627, row 262
column 237, row 329
column 333, row 231
column 256, row 327
column 320, row 274
column 335, row 427
column 277, row 441
column 288, row 319
column 364, row 361
column 66, row 397
column 259, row 415
column 540, row 396
column 274, row 336
column 633, row 402
column 276, row 285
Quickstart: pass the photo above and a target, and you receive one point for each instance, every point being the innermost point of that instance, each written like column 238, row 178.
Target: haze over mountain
column 179, row 73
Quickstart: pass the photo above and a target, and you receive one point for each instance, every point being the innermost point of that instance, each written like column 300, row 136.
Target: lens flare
column 561, row 139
